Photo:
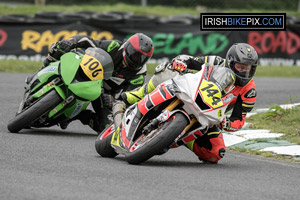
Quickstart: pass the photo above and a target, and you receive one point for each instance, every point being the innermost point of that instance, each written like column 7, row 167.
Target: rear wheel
column 34, row 112
column 155, row 142
column 102, row 143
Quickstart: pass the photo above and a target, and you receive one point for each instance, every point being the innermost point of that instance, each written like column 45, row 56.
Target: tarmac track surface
column 63, row 164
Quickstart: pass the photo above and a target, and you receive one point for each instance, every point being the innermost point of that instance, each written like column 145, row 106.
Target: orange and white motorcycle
column 175, row 109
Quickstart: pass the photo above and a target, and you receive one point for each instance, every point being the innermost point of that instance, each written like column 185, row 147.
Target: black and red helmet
column 137, row 50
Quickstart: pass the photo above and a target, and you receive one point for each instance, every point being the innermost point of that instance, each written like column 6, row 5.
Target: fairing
column 78, row 75
column 201, row 98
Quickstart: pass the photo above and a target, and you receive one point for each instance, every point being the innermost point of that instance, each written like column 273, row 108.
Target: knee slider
column 222, row 152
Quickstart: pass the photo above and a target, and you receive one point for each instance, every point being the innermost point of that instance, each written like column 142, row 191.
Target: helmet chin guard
column 137, row 50
column 245, row 55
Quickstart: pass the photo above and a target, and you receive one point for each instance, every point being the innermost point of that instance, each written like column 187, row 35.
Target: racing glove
column 225, row 124
column 64, row 45
column 181, row 62
column 58, row 49
column 179, row 65
column 61, row 47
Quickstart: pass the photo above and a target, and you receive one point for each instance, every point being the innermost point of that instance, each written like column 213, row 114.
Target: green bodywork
column 81, row 93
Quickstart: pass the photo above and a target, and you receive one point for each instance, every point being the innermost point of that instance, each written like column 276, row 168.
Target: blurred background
column 29, row 27
column 291, row 5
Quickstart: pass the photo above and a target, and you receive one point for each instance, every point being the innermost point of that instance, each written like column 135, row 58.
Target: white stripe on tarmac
column 244, row 135
column 293, row 150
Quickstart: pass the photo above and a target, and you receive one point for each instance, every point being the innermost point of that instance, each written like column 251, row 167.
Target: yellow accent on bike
column 211, row 94
column 190, row 145
column 233, row 78
column 220, row 113
column 92, row 68
column 192, row 122
column 173, row 104
column 115, row 140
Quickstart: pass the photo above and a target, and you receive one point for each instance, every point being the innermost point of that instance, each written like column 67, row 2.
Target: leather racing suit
column 123, row 79
column 208, row 146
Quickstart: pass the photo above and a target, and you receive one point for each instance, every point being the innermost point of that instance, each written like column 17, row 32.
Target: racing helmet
column 223, row 77
column 137, row 50
column 242, row 59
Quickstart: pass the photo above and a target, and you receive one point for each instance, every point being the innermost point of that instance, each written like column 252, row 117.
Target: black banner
column 30, row 41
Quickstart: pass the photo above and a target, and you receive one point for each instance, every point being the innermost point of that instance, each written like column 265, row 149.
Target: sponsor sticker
column 77, row 109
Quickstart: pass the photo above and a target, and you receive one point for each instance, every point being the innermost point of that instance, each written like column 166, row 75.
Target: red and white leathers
column 210, row 146
column 241, row 105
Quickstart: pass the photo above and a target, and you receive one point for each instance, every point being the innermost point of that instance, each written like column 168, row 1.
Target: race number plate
column 211, row 94
column 92, row 68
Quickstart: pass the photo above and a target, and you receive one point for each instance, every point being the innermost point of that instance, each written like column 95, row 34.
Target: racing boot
column 64, row 124
column 136, row 95
column 88, row 117
column 118, row 111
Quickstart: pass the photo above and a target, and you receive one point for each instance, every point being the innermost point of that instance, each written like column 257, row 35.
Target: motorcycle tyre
column 36, row 110
column 157, row 144
column 103, row 146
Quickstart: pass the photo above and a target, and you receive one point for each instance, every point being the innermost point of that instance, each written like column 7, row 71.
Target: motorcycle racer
column 242, row 59
column 129, row 59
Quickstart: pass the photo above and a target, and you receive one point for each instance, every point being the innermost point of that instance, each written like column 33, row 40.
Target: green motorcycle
column 63, row 89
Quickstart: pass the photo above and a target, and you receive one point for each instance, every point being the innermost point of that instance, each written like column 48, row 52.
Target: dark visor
column 134, row 57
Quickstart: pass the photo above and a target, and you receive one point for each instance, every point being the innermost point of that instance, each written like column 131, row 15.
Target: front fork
column 172, row 105
column 185, row 131
column 27, row 100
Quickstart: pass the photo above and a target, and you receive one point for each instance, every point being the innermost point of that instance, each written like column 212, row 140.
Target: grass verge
column 278, row 71
column 279, row 120
column 151, row 10
column 21, row 66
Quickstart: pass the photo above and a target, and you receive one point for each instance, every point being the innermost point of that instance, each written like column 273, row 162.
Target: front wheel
column 34, row 112
column 102, row 144
column 156, row 141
